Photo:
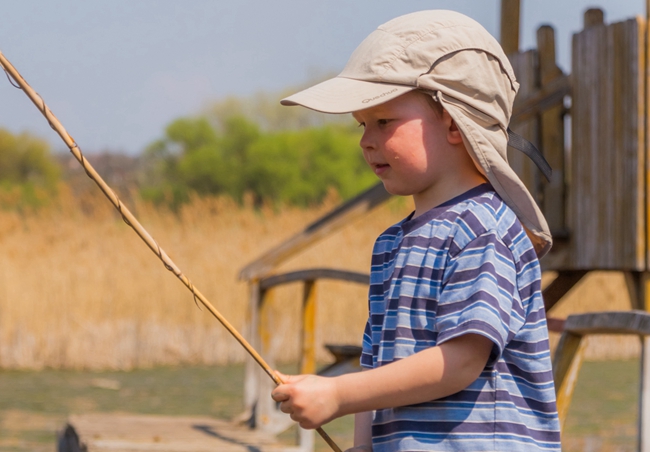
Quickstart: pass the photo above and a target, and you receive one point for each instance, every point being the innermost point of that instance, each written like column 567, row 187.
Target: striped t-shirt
column 466, row 266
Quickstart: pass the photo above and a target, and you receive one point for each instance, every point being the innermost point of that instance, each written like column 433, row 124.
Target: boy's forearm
column 430, row 374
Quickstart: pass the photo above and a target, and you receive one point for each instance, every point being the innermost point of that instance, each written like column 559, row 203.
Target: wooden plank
column 130, row 433
column 607, row 191
column 337, row 218
column 607, row 199
column 646, row 128
column 554, row 324
column 579, row 109
column 610, row 322
column 638, row 160
column 535, row 102
column 314, row 274
column 525, row 67
column 552, row 136
column 629, row 138
column 510, row 24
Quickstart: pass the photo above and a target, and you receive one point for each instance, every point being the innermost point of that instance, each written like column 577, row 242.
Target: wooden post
column 566, row 366
column 644, row 399
column 638, row 284
column 251, row 375
column 552, row 136
column 568, row 356
column 308, row 358
column 526, row 70
column 510, row 14
column 594, row 17
column 266, row 412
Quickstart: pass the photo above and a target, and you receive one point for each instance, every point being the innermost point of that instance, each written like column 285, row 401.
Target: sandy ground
column 28, row 431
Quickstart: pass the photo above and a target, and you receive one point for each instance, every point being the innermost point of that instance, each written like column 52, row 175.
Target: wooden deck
column 137, row 433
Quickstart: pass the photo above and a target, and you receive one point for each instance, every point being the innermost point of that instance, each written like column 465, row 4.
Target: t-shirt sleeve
column 478, row 293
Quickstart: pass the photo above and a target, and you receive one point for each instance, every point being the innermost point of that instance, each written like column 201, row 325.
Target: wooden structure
column 141, row 433
column 596, row 203
column 569, row 352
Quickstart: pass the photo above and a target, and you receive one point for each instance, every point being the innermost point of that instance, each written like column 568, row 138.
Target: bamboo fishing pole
column 130, row 220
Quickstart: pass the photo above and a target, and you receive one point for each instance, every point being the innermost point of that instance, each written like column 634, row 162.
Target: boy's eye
column 362, row 124
column 382, row 122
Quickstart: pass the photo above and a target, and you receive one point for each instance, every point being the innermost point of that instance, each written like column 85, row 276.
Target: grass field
column 33, row 405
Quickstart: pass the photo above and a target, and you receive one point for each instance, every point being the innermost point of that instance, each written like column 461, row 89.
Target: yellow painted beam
column 566, row 366
column 308, row 358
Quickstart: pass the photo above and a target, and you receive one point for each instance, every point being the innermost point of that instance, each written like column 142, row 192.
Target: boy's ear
column 453, row 132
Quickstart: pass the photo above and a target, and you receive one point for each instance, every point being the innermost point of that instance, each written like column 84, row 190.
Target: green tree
column 27, row 168
column 299, row 167
column 247, row 146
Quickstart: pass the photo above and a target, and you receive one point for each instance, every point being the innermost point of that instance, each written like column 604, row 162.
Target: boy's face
column 406, row 143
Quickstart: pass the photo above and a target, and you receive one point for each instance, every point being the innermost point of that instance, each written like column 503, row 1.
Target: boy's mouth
column 380, row 168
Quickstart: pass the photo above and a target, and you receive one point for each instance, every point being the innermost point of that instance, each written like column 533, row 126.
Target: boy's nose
column 366, row 141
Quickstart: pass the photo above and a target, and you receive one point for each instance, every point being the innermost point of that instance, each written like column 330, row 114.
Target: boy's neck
column 445, row 190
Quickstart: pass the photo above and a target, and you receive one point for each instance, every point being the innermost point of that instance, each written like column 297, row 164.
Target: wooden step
column 136, row 433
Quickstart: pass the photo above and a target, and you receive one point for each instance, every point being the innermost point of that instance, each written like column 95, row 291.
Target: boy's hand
column 310, row 400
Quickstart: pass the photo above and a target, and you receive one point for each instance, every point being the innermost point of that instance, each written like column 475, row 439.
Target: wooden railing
column 260, row 409
column 308, row 317
column 569, row 352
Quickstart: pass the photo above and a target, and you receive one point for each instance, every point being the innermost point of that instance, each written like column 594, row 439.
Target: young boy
column 455, row 350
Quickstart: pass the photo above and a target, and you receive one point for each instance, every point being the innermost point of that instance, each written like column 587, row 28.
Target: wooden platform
column 137, row 433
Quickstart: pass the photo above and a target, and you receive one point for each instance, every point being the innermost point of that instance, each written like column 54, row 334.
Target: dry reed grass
column 78, row 289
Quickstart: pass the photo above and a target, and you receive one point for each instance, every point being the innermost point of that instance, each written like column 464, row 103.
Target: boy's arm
column 427, row 375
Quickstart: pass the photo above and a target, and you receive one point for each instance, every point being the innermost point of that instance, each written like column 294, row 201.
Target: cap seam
column 461, row 48
column 424, row 33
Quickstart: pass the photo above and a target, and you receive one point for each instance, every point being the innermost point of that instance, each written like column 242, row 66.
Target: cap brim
column 346, row 95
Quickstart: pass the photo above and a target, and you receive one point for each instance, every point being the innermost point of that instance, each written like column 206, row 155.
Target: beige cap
column 465, row 68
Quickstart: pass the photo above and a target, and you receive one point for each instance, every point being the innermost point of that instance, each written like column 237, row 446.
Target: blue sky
column 116, row 72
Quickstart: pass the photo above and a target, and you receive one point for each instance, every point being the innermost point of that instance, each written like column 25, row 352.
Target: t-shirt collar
column 410, row 224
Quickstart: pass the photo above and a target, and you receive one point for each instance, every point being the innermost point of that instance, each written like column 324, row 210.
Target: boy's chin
column 396, row 191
